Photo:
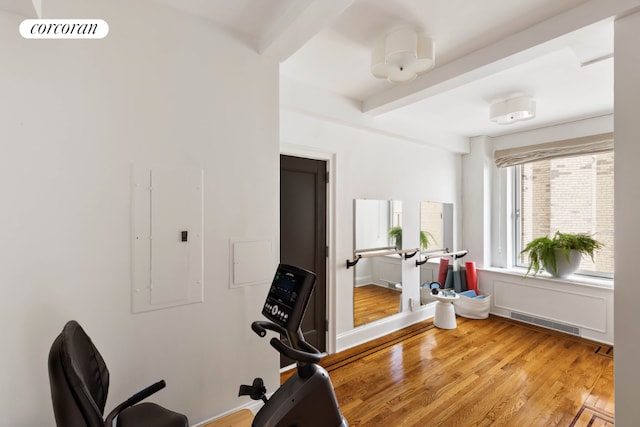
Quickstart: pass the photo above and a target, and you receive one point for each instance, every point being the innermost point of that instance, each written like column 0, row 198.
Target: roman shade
column 569, row 147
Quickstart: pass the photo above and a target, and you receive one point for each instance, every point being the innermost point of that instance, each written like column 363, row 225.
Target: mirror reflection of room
column 430, row 225
column 377, row 280
column 436, row 235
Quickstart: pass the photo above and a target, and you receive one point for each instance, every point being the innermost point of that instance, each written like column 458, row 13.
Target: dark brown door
column 303, row 213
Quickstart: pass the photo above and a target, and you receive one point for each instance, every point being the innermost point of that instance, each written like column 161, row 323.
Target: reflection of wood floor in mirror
column 373, row 302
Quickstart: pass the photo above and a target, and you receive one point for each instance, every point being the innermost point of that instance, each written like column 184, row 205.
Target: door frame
column 330, row 159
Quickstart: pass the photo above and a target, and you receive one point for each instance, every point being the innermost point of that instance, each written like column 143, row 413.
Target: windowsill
column 574, row 279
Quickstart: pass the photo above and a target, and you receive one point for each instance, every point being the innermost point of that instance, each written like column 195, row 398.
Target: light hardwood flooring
column 492, row 372
column 242, row 418
column 373, row 302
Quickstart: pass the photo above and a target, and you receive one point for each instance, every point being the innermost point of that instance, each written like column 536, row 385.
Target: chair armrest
column 138, row 397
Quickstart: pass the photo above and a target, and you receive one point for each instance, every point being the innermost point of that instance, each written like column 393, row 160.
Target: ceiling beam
column 313, row 103
column 28, row 9
column 303, row 20
column 513, row 50
column 37, row 6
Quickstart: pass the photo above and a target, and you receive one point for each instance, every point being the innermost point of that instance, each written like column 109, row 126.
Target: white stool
column 445, row 317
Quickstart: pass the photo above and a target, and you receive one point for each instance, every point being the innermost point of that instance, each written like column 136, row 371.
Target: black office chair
column 79, row 382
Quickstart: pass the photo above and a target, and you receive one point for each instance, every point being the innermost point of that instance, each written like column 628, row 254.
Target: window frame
column 517, row 228
column 517, row 218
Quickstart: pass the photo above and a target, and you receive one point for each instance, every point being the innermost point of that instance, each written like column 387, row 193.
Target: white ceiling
column 20, row 7
column 486, row 50
column 337, row 58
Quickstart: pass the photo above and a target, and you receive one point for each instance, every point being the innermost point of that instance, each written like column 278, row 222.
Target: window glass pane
column 571, row 195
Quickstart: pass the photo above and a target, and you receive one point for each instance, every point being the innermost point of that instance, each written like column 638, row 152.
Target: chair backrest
column 79, row 379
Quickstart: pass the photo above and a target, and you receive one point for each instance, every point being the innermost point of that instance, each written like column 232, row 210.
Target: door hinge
column 326, row 251
column 326, row 175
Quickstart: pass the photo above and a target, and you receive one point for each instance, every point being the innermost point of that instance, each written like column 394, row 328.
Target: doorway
column 303, row 235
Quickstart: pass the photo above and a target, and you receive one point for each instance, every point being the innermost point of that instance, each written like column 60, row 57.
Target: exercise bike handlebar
column 260, row 327
column 308, row 355
column 305, row 354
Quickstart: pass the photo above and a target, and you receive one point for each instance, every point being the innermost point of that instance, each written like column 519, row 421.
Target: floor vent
column 573, row 330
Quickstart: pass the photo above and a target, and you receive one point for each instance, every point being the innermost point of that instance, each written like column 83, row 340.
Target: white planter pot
column 565, row 268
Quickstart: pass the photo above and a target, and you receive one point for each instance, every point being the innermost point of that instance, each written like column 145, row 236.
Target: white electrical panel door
column 252, row 262
column 167, row 240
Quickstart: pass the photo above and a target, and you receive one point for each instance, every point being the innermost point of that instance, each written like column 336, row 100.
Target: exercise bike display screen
column 288, row 296
column 285, row 287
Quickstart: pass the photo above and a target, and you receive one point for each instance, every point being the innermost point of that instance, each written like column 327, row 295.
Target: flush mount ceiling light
column 402, row 55
column 513, row 110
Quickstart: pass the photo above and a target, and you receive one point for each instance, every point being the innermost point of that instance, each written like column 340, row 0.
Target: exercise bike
column 307, row 398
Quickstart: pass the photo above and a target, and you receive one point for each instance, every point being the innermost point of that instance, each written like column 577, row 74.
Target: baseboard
column 380, row 328
column 252, row 406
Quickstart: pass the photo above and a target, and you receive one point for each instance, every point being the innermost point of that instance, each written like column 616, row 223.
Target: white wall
column 627, row 206
column 373, row 165
column 161, row 89
column 477, row 171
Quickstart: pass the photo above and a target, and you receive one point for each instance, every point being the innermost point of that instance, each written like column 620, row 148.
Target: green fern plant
column 424, row 239
column 395, row 233
column 542, row 251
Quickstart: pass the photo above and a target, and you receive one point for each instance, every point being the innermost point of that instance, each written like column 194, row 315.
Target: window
column 569, row 194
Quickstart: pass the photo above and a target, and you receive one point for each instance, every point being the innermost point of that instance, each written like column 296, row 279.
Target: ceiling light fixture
column 513, row 110
column 402, row 55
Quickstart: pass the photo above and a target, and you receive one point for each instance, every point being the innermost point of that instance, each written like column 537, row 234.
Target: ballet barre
column 442, row 253
column 384, row 251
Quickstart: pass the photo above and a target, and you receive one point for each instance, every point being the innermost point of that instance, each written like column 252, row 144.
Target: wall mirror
column 377, row 281
column 436, row 232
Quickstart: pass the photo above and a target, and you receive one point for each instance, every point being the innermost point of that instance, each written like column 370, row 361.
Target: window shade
column 551, row 150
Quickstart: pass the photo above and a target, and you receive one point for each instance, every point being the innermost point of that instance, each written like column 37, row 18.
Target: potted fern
column 424, row 239
column 561, row 255
column 395, row 233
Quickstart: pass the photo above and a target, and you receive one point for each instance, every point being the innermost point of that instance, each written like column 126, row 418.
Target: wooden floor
column 492, row 372
column 242, row 418
column 373, row 302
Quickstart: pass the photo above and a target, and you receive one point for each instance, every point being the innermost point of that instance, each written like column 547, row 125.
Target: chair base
column 149, row 414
